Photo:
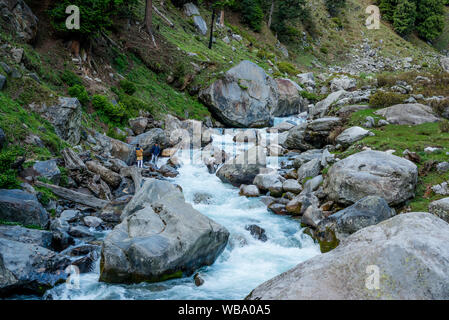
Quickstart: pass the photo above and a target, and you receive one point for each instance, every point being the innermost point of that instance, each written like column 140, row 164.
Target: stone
column 292, row 186
column 48, row 169
column 243, row 168
column 257, row 232
column 313, row 184
column 310, row 169
column 249, row 191
column 352, row 135
column 112, row 178
column 116, row 148
column 40, row 238
column 312, row 217
column 268, row 182
column 352, row 108
column 200, row 24
column 148, row 139
column 138, row 125
column 409, row 250
column 18, row 18
column 443, row 167
column 92, row 222
column 408, row 114
column 440, row 208
column 343, row 83
column 370, row 173
column 322, row 107
column 165, row 232
column 191, row 10
column 22, row 207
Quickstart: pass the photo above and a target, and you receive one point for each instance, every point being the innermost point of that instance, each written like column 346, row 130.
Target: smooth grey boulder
column 200, row 24
column 351, row 135
column 191, row 10
column 22, row 207
column 148, row 139
column 243, row 168
column 162, row 238
column 29, row 268
column 118, row 149
column 343, row 83
column 296, row 138
column 246, row 96
column 48, row 169
column 408, row 114
column 371, row 173
column 365, row 212
column 409, row 252
column 268, row 182
column 440, row 208
column 307, row 156
column 310, row 169
column 312, row 217
column 66, row 116
column 322, row 107
column 292, row 186
column 249, row 191
column 138, row 125
column 352, row 108
column 318, row 131
column 41, row 238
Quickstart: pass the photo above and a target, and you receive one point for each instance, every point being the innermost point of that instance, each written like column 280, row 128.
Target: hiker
column 155, row 152
column 139, row 156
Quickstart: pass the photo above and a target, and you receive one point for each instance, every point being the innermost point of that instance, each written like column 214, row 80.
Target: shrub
column 128, row 86
column 385, row 99
column 78, row 91
column 70, row 78
column 444, row 126
column 116, row 113
column 440, row 106
column 385, row 80
column 287, row 67
column 8, row 176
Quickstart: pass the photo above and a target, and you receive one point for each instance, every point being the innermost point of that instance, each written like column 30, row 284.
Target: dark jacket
column 156, row 150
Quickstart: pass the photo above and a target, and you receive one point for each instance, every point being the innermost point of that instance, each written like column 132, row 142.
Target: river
column 244, row 264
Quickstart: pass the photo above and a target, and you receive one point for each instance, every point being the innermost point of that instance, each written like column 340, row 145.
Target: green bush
column 70, row 78
column 115, row 113
column 287, row 67
column 78, row 91
column 444, row 126
column 128, row 86
column 8, row 176
column 383, row 99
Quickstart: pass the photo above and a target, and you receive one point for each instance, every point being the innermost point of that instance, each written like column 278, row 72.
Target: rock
column 198, row 280
column 408, row 250
column 313, row 184
column 246, row 136
column 408, row 114
column 191, row 10
column 351, row 135
column 22, row 207
column 352, row 108
column 257, row 232
column 165, row 232
column 204, row 198
column 19, row 19
column 292, row 186
column 307, row 156
column 284, row 126
column 443, row 167
column 2, row 82
column 116, row 148
column 307, row 79
column 249, row 191
column 278, row 208
column 29, row 268
column 70, row 216
column 440, row 208
column 365, row 212
column 92, row 222
column 343, row 83
column 125, row 188
column 296, row 138
column 31, row 236
column 275, row 150
column 81, row 232
column 138, row 125
column 372, row 173
column 168, row 171
column 322, row 107
column 312, row 217
column 310, row 169
column 301, row 203
column 441, row 189
column 243, row 168
column 17, row 54
column 268, row 182
column 248, row 97
column 200, row 24
column 318, row 131
column 444, row 61
column 110, row 177
column 48, row 169
column 66, row 118
column 117, row 165
column 148, row 139
column 172, row 123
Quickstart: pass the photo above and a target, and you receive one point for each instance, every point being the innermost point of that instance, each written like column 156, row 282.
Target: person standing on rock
column 139, row 156
column 155, row 152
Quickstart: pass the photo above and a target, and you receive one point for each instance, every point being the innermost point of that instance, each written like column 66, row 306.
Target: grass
column 413, row 138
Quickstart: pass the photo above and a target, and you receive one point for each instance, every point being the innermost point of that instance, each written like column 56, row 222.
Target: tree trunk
column 149, row 20
column 222, row 15
column 212, row 29
column 270, row 19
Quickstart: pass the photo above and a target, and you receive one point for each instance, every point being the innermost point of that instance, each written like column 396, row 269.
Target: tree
column 252, row 14
column 148, row 22
column 334, row 6
column 217, row 5
column 287, row 11
column 404, row 17
column 430, row 18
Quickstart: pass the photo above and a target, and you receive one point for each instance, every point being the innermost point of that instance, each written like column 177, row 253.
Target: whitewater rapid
column 245, row 262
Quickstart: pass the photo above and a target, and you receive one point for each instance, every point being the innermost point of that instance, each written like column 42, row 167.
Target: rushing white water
column 244, row 264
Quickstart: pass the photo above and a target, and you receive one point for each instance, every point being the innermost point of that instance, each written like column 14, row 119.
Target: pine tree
column 404, row 17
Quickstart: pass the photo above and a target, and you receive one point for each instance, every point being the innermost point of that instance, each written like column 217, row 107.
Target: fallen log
column 163, row 17
column 74, row 196
column 72, row 160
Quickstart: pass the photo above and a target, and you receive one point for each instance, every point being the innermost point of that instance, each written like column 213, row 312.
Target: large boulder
column 440, row 208
column 148, row 139
column 322, row 107
column 66, row 116
column 162, row 238
column 29, row 268
column 351, row 135
column 19, row 19
column 22, row 207
column 246, row 96
column 138, row 125
column 41, row 238
column 191, row 10
column 408, row 114
column 372, row 173
column 407, row 254
column 48, row 169
column 243, row 168
column 296, row 138
column 115, row 148
column 365, row 212
column 343, row 83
